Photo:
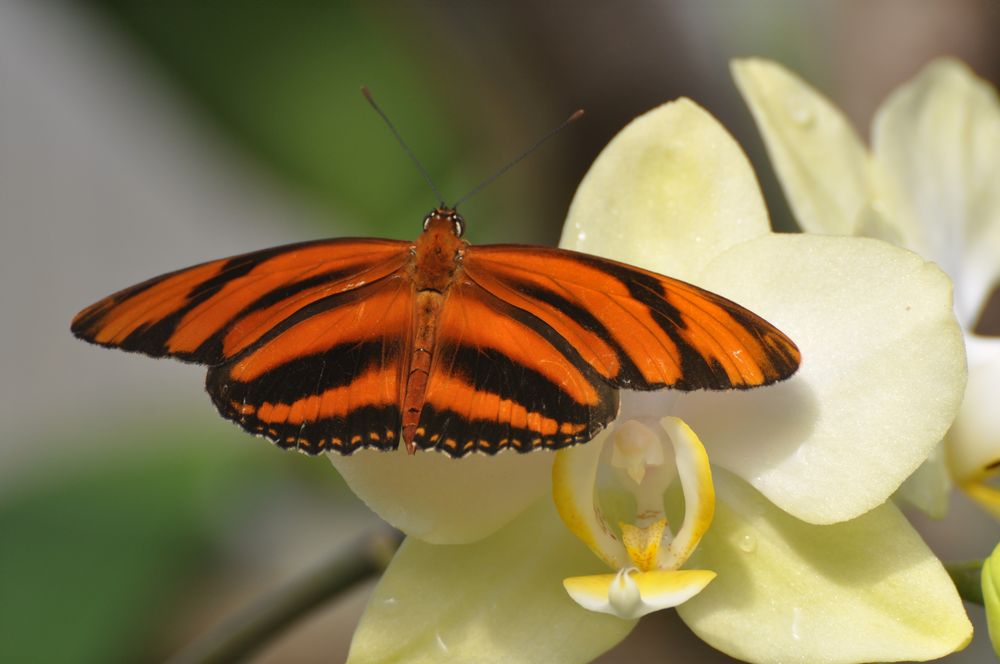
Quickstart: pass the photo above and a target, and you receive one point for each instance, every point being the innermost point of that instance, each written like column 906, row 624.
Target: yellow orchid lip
column 983, row 492
column 646, row 553
column 631, row 593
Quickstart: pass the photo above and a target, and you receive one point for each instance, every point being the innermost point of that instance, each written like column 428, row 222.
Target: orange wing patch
column 306, row 339
column 187, row 314
column 283, row 282
column 643, row 331
column 502, row 378
column 329, row 376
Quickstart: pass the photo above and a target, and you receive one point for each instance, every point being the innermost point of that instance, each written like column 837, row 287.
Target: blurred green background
column 139, row 137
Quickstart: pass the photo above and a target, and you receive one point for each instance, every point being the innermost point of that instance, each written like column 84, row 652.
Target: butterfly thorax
column 438, row 256
column 439, row 250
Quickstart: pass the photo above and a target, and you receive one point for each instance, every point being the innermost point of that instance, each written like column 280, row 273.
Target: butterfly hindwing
column 638, row 329
column 501, row 377
column 327, row 378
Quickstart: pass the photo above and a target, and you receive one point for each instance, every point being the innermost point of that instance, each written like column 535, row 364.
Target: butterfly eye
column 459, row 224
column 427, row 220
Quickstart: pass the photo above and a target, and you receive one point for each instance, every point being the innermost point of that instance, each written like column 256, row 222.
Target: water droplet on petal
column 748, row 543
column 802, row 116
column 799, row 111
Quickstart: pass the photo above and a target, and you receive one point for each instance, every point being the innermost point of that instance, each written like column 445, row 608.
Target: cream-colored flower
column 805, row 560
column 991, row 596
column 929, row 183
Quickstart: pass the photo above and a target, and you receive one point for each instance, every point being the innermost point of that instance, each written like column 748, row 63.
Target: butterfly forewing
column 638, row 329
column 211, row 311
column 268, row 323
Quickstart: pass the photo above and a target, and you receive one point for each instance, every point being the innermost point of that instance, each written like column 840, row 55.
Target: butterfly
column 343, row 344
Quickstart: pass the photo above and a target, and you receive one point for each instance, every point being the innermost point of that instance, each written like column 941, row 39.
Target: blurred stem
column 967, row 578
column 242, row 634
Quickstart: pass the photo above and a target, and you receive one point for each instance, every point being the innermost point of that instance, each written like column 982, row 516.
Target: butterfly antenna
column 488, row 181
column 406, row 148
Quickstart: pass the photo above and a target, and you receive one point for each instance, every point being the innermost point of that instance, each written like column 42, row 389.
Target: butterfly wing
column 327, row 378
column 210, row 312
column 502, row 377
column 532, row 343
column 637, row 329
column 305, row 341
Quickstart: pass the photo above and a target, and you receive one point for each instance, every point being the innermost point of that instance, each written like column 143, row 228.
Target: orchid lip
column 646, row 553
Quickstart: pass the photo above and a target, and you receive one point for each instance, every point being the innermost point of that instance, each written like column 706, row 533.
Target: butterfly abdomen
column 427, row 311
column 438, row 255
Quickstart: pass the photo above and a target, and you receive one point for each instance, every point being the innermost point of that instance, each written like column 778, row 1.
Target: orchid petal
column 821, row 162
column 938, row 140
column 787, row 591
column 574, row 477
column 632, row 594
column 671, row 191
column 881, row 379
column 990, row 581
column 929, row 487
column 699, row 494
column 442, row 500
column 497, row 600
column 973, row 444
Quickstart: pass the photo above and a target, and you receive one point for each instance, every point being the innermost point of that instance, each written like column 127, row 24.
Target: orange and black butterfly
column 350, row 343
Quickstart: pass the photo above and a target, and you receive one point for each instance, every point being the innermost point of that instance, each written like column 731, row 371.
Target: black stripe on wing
column 153, row 334
column 342, row 398
column 456, row 435
column 481, row 399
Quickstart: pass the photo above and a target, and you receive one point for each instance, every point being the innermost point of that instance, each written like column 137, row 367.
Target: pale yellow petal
column 821, row 162
column 973, row 444
column 695, row 476
column 937, row 140
column 574, row 478
column 867, row 590
column 498, row 600
column 929, row 486
column 882, row 374
column 991, row 596
column 669, row 192
column 443, row 500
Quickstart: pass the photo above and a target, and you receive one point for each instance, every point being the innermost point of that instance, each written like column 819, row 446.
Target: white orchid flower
column 990, row 582
column 784, row 548
column 930, row 183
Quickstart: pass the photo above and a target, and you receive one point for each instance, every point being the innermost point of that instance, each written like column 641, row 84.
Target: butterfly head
column 445, row 218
